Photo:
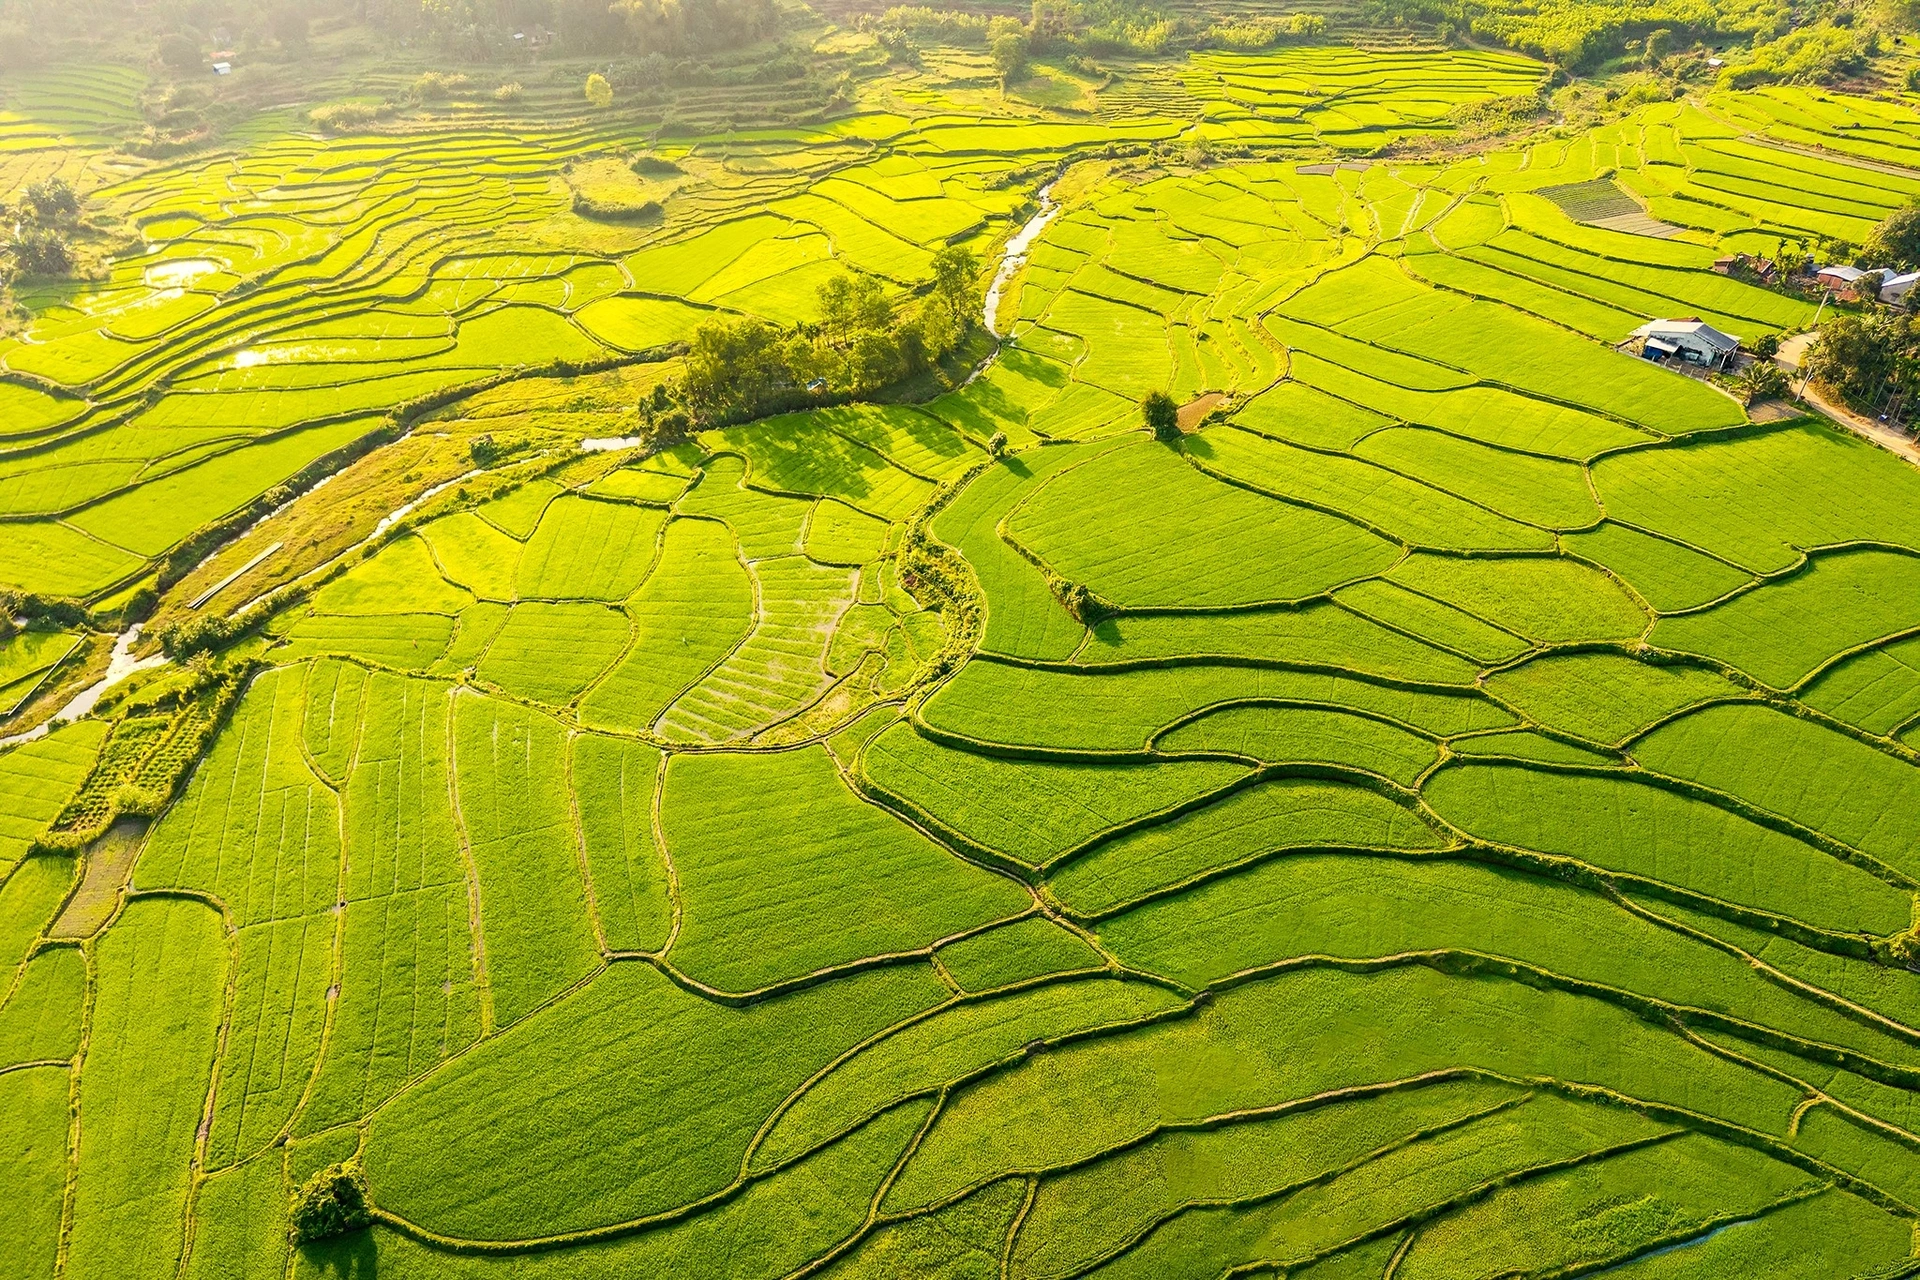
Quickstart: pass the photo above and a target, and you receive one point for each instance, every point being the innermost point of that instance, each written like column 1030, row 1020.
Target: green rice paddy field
column 1473, row 831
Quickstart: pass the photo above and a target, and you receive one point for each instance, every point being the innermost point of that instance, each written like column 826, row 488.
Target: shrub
column 508, row 92
column 182, row 640
column 340, row 116
column 488, row 452
column 1763, row 380
column 1766, row 346
column 437, row 86
column 599, row 92
column 51, row 200
column 1079, row 600
column 1161, row 415
column 41, row 251
column 332, row 1203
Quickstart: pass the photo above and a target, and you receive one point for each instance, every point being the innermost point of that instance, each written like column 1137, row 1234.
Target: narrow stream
column 1015, row 255
column 121, row 665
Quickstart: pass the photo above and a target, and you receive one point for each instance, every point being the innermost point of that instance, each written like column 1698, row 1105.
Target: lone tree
column 331, row 1203
column 1162, row 415
column 599, row 92
column 1007, row 42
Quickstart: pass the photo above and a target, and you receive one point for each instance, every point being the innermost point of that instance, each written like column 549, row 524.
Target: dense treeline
column 1786, row 41
column 746, row 368
column 1074, row 27
column 182, row 32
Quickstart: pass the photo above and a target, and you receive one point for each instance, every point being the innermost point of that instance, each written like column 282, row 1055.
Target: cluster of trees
column 1818, row 54
column 1581, row 34
column 43, row 222
column 747, row 368
column 1867, row 360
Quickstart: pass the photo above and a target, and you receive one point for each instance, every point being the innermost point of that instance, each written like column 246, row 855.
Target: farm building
column 1693, row 341
column 1746, row 264
column 1839, row 277
column 1894, row 289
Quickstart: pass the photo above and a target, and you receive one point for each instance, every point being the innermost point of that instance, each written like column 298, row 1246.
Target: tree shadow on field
column 354, row 1256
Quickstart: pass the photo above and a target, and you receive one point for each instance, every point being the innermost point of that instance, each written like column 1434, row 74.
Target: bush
column 181, row 640
column 1161, row 415
column 340, row 116
column 1763, row 380
column 43, row 252
column 332, row 1203
column 51, row 200
column 599, row 92
column 437, row 86
column 1082, row 604
column 488, row 452
column 508, row 92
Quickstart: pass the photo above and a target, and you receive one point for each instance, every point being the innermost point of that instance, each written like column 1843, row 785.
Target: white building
column 1692, row 341
column 1894, row 289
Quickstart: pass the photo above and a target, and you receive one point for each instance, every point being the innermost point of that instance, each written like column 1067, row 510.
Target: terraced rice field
column 1467, row 826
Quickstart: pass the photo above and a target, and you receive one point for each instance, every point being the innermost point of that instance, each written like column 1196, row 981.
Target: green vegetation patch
column 751, row 916
column 1140, row 527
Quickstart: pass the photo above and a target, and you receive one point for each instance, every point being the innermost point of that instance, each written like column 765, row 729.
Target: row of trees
column 746, row 368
